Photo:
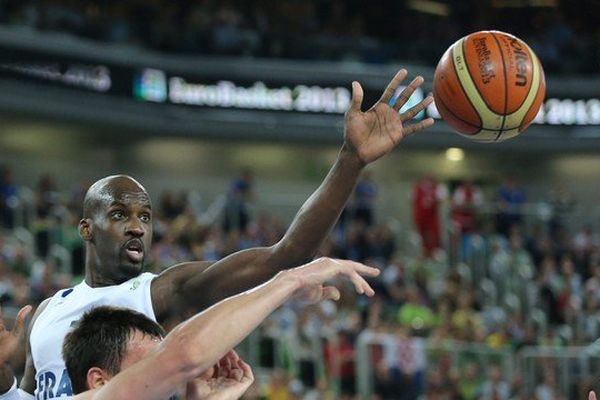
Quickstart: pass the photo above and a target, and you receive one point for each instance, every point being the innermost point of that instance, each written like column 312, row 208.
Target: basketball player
column 107, row 340
column 117, row 229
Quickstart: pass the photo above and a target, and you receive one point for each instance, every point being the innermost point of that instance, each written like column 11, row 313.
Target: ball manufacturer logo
column 521, row 62
column 486, row 68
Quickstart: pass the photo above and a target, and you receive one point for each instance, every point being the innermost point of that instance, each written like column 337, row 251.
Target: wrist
column 349, row 155
column 289, row 280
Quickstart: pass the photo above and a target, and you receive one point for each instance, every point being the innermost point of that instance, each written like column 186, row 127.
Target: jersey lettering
column 50, row 388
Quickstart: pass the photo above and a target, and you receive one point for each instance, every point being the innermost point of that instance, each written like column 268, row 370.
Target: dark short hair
column 100, row 339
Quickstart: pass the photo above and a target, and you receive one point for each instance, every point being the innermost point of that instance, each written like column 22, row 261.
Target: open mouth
column 135, row 250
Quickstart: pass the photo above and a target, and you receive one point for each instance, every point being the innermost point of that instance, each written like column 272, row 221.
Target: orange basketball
column 489, row 86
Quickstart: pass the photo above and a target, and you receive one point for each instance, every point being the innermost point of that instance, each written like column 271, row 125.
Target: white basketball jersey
column 63, row 310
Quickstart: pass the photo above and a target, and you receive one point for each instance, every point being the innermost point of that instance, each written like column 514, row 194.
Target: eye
column 145, row 218
column 117, row 215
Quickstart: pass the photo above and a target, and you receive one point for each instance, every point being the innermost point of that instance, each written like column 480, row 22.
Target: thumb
column 330, row 293
column 357, row 97
column 592, row 395
column 20, row 322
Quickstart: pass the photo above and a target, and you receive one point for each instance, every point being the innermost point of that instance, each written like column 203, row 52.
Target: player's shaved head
column 117, row 229
column 109, row 189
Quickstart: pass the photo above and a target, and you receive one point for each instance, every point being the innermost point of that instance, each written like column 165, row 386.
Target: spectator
column 237, row 214
column 510, row 200
column 547, row 390
column 426, row 196
column 466, row 199
column 494, row 388
column 466, row 321
column 363, row 200
column 414, row 314
column 469, row 381
column 9, row 198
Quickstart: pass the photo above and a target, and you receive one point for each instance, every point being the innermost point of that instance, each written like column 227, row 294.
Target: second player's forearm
column 320, row 212
column 210, row 334
column 197, row 344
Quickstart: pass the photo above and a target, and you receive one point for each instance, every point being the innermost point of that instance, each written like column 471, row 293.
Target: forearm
column 205, row 338
column 319, row 213
column 198, row 285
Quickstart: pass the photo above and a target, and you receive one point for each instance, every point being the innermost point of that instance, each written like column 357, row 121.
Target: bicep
column 188, row 288
column 165, row 287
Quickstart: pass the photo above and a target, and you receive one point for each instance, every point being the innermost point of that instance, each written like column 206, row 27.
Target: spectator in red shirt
column 427, row 194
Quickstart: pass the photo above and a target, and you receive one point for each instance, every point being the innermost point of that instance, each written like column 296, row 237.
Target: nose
column 135, row 228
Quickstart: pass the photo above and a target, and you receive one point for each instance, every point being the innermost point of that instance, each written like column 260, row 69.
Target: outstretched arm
column 198, row 343
column 368, row 136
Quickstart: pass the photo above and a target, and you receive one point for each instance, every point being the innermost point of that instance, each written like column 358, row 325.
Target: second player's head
column 105, row 341
column 117, row 227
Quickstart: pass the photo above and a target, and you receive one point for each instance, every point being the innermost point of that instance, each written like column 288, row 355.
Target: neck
column 93, row 275
column 94, row 279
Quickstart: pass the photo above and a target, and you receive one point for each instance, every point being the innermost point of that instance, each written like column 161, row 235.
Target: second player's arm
column 197, row 344
column 189, row 287
column 201, row 284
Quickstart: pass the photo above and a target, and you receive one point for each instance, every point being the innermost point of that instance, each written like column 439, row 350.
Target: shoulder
column 46, row 304
column 40, row 309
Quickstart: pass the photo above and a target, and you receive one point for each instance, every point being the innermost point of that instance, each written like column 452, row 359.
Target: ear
column 85, row 229
column 96, row 378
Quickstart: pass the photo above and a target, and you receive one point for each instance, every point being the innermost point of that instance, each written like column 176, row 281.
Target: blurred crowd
column 476, row 273
column 565, row 35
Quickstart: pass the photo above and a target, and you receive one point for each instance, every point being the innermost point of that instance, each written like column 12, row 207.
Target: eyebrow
column 118, row 203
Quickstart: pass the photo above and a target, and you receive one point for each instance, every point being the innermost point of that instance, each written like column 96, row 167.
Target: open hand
column 377, row 131
column 229, row 380
column 313, row 275
column 9, row 340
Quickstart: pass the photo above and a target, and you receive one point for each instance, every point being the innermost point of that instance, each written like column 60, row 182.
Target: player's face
column 123, row 231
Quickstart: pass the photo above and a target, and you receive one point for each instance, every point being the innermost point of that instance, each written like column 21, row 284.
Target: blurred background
column 231, row 113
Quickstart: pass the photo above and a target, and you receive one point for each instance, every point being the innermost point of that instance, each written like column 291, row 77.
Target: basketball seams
column 533, row 80
column 472, row 111
column 536, row 85
column 458, row 79
column 505, row 84
column 439, row 100
column 464, row 52
column 481, row 128
column 487, row 116
column 541, row 88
